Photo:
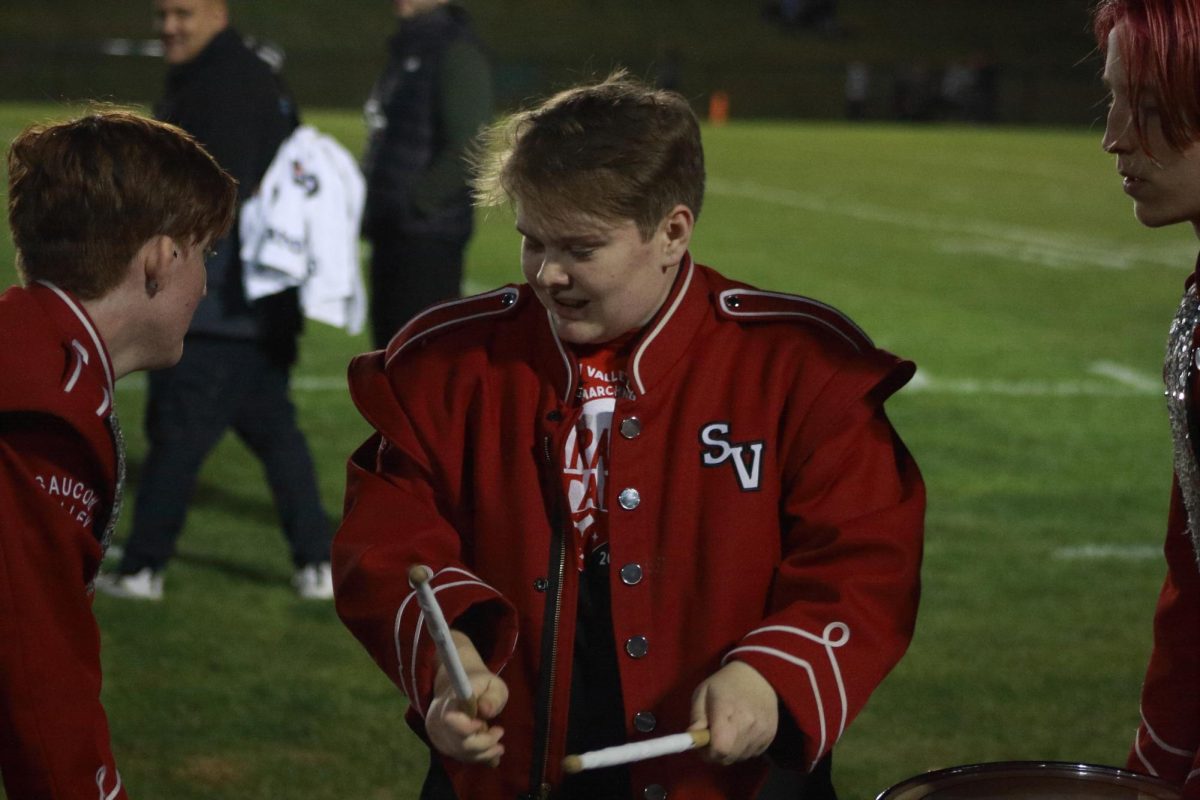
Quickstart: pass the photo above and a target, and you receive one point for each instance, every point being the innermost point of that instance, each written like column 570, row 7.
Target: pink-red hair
column 1160, row 49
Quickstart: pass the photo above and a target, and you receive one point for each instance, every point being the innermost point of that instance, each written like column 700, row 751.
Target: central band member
column 654, row 499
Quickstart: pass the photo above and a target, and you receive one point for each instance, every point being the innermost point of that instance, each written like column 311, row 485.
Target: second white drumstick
column 636, row 751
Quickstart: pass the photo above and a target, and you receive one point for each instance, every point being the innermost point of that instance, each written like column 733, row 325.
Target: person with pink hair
column 1152, row 69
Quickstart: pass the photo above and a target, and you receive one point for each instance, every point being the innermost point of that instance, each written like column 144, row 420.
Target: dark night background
column 773, row 61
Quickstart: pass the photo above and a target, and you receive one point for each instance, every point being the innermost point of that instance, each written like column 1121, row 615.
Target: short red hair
column 85, row 195
column 1160, row 48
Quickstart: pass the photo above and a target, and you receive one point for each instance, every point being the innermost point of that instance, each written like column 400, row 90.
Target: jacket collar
column 661, row 345
column 89, row 353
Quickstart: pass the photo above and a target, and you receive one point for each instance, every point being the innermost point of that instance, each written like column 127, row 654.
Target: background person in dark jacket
column 434, row 95
column 235, row 372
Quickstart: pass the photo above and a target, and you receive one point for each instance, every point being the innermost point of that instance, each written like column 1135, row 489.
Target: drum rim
column 1078, row 767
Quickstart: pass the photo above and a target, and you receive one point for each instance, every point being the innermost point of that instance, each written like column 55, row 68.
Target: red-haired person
column 1152, row 69
column 111, row 215
column 653, row 498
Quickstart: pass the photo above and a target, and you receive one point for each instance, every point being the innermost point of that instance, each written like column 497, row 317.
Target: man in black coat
column 433, row 97
column 237, row 357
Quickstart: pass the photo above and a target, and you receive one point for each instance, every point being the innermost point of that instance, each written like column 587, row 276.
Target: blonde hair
column 613, row 150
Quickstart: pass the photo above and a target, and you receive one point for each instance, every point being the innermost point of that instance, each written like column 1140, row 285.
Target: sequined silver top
column 114, row 514
column 1177, row 373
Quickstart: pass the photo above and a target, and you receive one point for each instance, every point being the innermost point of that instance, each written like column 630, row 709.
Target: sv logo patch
column 746, row 456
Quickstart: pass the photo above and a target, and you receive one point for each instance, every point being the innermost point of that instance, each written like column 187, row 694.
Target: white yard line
column 1109, row 552
column 1122, row 382
column 969, row 386
column 319, row 383
column 1127, row 376
column 1014, row 242
column 300, row 383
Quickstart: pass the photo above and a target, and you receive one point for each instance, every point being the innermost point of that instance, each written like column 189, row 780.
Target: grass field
column 1005, row 262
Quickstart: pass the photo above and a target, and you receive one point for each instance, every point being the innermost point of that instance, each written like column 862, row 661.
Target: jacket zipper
column 544, row 791
column 542, row 786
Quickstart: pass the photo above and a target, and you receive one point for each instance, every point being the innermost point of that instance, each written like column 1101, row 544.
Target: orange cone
column 718, row 107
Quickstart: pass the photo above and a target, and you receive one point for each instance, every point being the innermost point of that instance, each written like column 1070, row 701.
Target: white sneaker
column 145, row 584
column 314, row 582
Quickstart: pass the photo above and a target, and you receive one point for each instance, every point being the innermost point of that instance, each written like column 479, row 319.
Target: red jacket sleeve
column 1169, row 735
column 844, row 603
column 54, row 739
column 395, row 518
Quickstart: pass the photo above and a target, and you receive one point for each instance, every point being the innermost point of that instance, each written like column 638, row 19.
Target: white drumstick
column 435, row 622
column 636, row 751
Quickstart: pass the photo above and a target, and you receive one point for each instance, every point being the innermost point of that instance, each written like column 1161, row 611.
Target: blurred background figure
column 433, row 97
column 791, row 11
column 236, row 368
column 915, row 93
column 858, row 89
column 981, row 106
column 815, row 15
column 956, row 90
column 668, row 73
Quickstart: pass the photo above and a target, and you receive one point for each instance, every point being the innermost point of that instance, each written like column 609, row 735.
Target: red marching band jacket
column 1167, row 744
column 59, row 466
column 762, row 508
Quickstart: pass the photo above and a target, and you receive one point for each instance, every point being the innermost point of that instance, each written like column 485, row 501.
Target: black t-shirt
column 597, row 715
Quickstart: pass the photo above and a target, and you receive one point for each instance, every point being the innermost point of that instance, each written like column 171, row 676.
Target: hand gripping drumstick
column 636, row 751
column 435, row 622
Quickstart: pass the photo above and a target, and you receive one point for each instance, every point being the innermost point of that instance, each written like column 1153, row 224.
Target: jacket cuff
column 803, row 668
column 462, row 595
column 1152, row 755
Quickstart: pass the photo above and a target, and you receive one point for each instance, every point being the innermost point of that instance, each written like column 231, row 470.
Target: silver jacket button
column 631, row 574
column 631, row 427
column 644, row 721
column 637, row 646
column 629, row 498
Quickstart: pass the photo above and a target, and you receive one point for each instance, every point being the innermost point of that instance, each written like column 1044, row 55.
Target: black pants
column 409, row 273
column 221, row 384
column 786, row 784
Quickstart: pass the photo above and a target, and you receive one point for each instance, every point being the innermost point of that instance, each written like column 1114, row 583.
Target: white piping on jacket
column 842, row 632
column 457, row 320
column 409, row 684
column 96, row 341
column 758, row 293
column 662, row 323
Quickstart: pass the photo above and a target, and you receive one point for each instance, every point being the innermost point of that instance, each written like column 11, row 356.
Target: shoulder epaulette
column 755, row 305
column 452, row 313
